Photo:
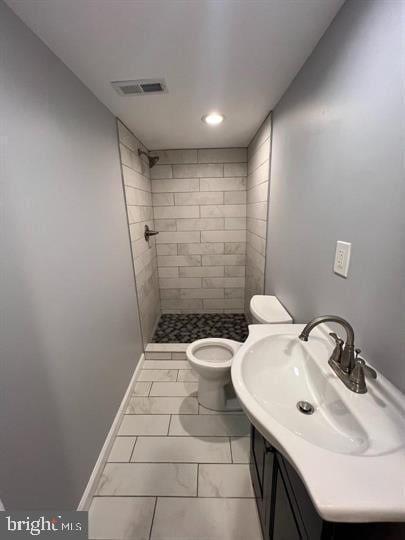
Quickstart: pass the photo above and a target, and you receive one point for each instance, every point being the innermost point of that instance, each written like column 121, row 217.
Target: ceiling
column 233, row 56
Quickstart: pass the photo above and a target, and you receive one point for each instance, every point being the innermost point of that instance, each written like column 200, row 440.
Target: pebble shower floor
column 179, row 328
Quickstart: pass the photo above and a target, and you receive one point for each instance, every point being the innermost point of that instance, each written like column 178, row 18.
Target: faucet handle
column 369, row 371
column 336, row 355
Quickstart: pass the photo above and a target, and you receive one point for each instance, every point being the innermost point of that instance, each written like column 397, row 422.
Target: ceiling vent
column 140, row 87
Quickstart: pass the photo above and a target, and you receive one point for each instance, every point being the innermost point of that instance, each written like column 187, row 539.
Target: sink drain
column 305, row 407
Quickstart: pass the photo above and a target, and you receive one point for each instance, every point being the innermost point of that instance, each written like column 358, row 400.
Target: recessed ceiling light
column 213, row 119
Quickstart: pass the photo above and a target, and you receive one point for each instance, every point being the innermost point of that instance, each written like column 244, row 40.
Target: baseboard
column 91, row 487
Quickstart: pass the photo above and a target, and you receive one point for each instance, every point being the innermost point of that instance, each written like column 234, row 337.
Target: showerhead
column 151, row 159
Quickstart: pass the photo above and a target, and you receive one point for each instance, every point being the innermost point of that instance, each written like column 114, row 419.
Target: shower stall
column 209, row 207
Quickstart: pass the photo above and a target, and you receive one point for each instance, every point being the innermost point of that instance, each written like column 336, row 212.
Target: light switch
column 342, row 258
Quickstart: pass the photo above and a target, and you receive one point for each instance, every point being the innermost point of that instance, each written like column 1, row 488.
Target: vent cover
column 140, row 87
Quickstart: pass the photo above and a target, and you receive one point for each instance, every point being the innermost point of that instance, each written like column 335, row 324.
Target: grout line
column 198, row 474
column 230, row 446
column 133, row 449
column 153, row 519
column 168, row 427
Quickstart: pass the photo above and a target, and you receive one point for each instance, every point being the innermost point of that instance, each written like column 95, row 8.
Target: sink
column 279, row 372
column 348, row 438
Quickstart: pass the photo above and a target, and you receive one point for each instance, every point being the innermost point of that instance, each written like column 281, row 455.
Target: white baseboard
column 91, row 487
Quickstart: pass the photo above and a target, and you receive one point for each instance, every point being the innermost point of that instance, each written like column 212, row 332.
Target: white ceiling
column 233, row 56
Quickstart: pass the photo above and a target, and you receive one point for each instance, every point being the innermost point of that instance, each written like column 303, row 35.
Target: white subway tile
column 139, row 213
column 177, row 283
column 226, row 303
column 198, row 171
column 235, row 197
column 235, row 169
column 200, row 224
column 234, row 271
column 236, row 224
column 169, row 294
column 235, row 248
column 201, row 249
column 135, row 179
column 176, row 156
column 222, row 155
column 222, row 236
column 171, row 186
column 231, row 210
column 259, row 175
column 185, row 199
column 223, row 184
column 163, row 199
column 161, row 171
column 168, row 271
column 223, row 260
column 127, row 138
column 258, row 193
column 215, row 282
column 178, row 237
column 235, row 293
column 201, row 271
column 165, row 225
column 170, row 212
column 179, row 260
column 202, row 293
column 137, row 197
column 167, row 249
column 261, row 155
column 193, row 305
column 257, row 226
column 257, row 210
column 257, row 243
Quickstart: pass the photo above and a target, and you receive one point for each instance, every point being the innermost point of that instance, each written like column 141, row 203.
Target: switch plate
column 342, row 258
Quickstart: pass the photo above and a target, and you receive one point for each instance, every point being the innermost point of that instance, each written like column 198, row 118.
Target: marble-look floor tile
column 122, row 449
column 240, row 449
column 206, row 519
column 224, row 480
column 142, row 388
column 144, row 424
column 230, row 425
column 143, row 479
column 166, row 364
column 163, row 405
column 174, row 389
column 163, row 375
column 182, row 450
column 188, row 375
column 121, row 518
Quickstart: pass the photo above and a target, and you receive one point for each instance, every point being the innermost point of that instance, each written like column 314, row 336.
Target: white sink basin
column 350, row 444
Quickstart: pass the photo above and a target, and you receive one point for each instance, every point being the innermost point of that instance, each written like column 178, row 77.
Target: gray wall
column 338, row 174
column 69, row 333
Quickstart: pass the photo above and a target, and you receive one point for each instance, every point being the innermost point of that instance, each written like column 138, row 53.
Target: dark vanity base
column 286, row 510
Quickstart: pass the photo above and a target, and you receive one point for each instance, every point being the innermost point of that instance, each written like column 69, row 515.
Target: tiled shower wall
column 199, row 204
column 257, row 203
column 136, row 178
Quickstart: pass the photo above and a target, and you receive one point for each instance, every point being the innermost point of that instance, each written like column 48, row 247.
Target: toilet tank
column 266, row 309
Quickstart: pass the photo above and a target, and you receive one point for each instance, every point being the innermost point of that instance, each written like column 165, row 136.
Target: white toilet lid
column 269, row 310
column 213, row 353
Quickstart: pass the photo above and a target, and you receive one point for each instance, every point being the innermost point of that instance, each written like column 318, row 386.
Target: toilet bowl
column 212, row 359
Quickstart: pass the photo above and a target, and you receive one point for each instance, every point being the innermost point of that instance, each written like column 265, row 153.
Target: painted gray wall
column 338, row 174
column 69, row 333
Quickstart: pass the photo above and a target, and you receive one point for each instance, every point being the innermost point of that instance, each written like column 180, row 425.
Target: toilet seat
column 212, row 360
column 214, row 353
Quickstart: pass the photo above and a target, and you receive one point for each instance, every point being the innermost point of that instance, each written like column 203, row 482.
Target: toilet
column 211, row 358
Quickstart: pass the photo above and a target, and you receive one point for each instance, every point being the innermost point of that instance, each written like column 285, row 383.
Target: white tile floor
column 176, row 471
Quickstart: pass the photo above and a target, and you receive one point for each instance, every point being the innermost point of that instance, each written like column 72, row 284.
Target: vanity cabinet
column 286, row 510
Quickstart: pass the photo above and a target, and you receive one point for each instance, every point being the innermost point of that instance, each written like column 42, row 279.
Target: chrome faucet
column 350, row 369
